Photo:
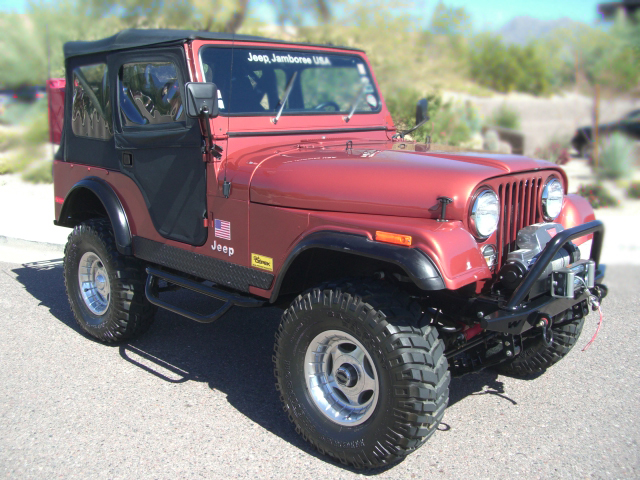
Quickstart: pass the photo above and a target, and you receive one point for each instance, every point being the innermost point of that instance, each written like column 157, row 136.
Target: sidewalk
column 27, row 214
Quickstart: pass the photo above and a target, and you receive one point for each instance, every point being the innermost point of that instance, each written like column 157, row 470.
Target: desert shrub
column 37, row 130
column 597, row 195
column 504, row 117
column 616, row 157
column 39, row 173
column 633, row 191
column 402, row 102
column 555, row 151
column 15, row 162
column 452, row 125
column 25, row 147
column 491, row 141
column 22, row 113
column 8, row 139
column 448, row 123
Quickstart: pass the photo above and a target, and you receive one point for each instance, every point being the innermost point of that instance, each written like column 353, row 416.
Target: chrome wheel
column 94, row 283
column 341, row 378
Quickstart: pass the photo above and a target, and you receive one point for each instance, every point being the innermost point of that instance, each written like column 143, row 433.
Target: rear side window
column 91, row 113
column 150, row 94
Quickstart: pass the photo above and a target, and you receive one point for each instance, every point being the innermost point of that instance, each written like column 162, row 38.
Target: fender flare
column 418, row 266
column 112, row 205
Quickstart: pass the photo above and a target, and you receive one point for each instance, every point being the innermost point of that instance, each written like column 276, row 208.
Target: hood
column 379, row 182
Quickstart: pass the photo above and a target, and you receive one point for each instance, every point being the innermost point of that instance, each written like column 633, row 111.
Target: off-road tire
column 409, row 359
column 129, row 313
column 536, row 357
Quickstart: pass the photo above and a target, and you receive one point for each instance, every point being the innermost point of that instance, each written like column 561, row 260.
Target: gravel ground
column 193, row 401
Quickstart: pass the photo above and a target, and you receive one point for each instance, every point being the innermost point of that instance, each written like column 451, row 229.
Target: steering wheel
column 323, row 105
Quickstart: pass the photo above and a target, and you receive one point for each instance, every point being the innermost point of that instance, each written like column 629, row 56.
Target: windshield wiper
column 287, row 91
column 356, row 102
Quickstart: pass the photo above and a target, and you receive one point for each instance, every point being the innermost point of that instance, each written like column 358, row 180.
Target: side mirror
column 422, row 111
column 202, row 99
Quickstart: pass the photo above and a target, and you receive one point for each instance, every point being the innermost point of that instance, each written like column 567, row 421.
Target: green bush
column 597, row 195
column 505, row 117
column 634, row 190
column 616, row 157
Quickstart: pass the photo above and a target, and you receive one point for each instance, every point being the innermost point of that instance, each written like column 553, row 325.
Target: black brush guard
column 515, row 315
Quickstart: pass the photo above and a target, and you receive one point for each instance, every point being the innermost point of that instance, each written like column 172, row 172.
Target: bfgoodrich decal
column 260, row 261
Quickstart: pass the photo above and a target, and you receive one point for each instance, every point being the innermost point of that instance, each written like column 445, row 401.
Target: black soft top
column 133, row 38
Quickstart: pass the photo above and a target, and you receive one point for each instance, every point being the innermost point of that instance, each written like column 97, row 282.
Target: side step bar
column 230, row 299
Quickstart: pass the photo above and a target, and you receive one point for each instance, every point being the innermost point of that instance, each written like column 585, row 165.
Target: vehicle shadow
column 232, row 355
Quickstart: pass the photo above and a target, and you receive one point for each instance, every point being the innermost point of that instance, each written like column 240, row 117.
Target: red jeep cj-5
column 259, row 172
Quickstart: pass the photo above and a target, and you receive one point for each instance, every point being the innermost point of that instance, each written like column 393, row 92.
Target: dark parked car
column 30, row 93
column 628, row 125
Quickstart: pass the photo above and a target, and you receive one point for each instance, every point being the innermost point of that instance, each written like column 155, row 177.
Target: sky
column 485, row 14
column 490, row 14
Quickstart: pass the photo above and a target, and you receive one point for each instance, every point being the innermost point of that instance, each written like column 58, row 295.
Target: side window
column 91, row 113
column 150, row 94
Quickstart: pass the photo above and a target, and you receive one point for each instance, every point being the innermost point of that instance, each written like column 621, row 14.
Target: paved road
column 198, row 401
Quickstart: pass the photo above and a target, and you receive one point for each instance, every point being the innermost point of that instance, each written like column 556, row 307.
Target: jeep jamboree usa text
column 259, row 172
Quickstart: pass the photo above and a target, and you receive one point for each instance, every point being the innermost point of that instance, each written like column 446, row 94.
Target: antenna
column 226, row 186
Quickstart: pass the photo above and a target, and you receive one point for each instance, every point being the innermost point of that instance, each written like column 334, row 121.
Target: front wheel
column 359, row 378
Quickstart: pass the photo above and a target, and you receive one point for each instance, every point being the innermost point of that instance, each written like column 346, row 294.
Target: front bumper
column 516, row 315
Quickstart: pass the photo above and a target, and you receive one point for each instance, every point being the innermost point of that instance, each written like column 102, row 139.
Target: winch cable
column 597, row 330
column 592, row 301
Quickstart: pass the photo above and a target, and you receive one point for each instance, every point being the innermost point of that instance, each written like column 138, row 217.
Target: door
column 160, row 148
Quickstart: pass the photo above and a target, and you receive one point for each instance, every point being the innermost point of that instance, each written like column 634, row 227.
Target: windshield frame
column 292, row 49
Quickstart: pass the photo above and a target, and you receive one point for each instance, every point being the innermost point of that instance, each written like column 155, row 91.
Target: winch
column 563, row 275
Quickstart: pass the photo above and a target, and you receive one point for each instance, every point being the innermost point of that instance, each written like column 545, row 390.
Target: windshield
column 325, row 83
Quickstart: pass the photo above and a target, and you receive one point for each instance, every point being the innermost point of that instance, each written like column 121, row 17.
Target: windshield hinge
column 215, row 150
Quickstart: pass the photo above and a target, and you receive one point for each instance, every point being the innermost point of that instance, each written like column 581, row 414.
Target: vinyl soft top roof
column 133, row 38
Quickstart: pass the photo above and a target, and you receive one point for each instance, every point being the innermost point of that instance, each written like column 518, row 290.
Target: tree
column 450, row 20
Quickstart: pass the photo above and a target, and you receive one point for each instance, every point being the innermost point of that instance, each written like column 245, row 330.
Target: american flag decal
column 222, row 229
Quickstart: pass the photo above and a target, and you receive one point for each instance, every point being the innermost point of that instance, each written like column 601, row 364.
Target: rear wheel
column 105, row 288
column 536, row 357
column 359, row 378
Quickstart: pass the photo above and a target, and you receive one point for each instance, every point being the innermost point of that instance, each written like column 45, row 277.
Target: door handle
column 127, row 159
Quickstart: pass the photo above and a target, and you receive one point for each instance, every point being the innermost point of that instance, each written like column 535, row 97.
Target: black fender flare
column 418, row 265
column 112, row 205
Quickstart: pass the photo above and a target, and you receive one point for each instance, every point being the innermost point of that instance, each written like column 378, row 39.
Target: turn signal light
column 394, row 238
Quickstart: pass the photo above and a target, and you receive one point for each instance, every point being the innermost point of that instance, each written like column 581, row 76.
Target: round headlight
column 485, row 213
column 552, row 197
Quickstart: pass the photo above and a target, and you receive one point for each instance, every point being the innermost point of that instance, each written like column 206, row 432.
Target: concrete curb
column 20, row 243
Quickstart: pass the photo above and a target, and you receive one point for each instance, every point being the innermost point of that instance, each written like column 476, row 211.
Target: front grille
column 519, row 208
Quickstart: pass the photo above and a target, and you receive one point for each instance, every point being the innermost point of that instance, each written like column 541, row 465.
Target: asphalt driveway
column 190, row 400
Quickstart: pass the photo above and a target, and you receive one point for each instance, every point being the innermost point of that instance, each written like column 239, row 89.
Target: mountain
column 520, row 30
